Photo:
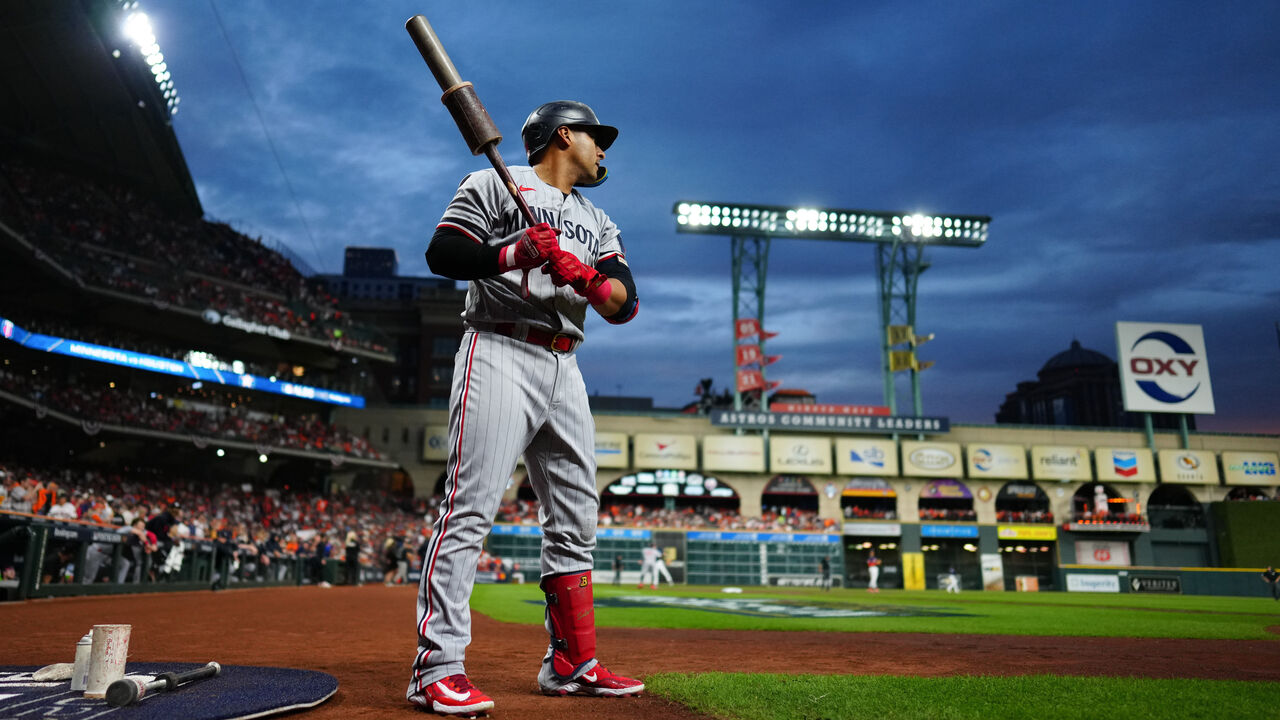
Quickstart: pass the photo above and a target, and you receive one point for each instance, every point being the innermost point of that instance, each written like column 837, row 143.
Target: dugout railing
column 42, row 557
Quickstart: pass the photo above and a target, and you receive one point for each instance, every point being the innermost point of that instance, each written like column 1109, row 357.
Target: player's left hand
column 566, row 269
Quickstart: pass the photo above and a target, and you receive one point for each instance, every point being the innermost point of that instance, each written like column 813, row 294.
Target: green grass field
column 1072, row 614
column 819, row 697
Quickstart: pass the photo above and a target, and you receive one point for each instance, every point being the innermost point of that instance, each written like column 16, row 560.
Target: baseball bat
column 477, row 128
column 130, row 690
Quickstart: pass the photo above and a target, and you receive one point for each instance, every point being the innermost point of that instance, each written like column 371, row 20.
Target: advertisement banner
column 612, row 450
column 825, row 422
column 928, row 459
column 1124, row 465
column 868, row 487
column 1249, row 468
column 947, row 488
column 1164, row 584
column 1060, row 463
column 659, row 452
column 1027, row 532
column 997, row 461
column 435, row 444
column 790, row 454
column 1093, row 583
column 1163, row 368
column 828, row 409
column 733, row 453
column 1188, row 467
column 948, row 531
column 855, row 456
column 1102, row 552
column 873, row 529
column 992, row 572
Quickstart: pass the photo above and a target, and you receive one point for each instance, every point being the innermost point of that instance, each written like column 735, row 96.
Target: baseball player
column 517, row 391
column 649, row 555
column 873, row 572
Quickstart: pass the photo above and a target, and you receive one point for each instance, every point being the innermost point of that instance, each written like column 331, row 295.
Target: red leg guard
column 571, row 615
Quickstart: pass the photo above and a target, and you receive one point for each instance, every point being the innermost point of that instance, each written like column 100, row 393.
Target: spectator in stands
column 351, row 548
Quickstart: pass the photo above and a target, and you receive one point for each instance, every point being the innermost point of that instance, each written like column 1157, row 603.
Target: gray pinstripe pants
column 508, row 398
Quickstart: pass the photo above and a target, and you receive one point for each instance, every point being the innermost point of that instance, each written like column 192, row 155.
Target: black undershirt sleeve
column 456, row 256
column 616, row 269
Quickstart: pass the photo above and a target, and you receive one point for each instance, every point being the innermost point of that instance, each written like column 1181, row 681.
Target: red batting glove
column 565, row 269
column 529, row 248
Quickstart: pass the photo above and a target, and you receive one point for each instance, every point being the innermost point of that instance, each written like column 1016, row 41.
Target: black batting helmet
column 543, row 122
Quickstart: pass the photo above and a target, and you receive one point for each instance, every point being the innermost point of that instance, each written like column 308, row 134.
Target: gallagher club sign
column 866, row 424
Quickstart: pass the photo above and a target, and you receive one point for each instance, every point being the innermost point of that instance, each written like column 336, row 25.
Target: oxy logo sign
column 1164, row 368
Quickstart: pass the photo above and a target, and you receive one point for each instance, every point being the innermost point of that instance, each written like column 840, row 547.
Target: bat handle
column 495, row 159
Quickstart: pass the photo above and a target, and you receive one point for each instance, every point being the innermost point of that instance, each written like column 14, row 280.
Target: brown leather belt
column 555, row 342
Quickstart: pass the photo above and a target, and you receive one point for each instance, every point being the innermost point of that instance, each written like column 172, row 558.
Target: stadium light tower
column 900, row 239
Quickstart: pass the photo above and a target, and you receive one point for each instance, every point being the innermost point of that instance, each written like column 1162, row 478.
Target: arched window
column 946, row 500
column 1022, row 501
column 1173, row 506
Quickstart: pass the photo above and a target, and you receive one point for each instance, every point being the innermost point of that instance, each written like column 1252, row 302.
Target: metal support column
column 898, row 268
column 750, row 265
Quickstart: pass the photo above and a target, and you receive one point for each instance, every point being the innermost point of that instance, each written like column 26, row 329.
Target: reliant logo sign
column 1164, row 368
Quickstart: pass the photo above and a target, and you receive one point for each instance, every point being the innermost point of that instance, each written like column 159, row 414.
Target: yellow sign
column 799, row 455
column 856, row 456
column 1027, row 532
column 612, row 450
column 1124, row 464
column 1188, row 467
column 1250, row 468
column 733, row 453
column 912, row 571
column 899, row 334
column 1060, row 463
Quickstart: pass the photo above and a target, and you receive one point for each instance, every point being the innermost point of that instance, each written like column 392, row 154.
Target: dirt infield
column 364, row 637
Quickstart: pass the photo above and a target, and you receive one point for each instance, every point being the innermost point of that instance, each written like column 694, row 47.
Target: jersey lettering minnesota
column 483, row 210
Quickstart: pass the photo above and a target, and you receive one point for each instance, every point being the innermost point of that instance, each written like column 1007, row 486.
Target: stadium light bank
column 827, row 224
column 137, row 29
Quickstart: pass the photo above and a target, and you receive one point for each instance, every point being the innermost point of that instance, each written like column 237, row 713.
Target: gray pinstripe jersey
column 483, row 209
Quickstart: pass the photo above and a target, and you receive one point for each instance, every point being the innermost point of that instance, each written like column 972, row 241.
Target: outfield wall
column 742, row 558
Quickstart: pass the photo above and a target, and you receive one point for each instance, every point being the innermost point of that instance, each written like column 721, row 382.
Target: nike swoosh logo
column 589, row 677
column 525, row 189
column 448, row 692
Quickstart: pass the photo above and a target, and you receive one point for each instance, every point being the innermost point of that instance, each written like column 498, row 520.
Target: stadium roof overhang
column 66, row 97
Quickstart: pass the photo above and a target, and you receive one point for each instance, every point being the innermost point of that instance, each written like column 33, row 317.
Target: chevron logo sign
column 1125, row 463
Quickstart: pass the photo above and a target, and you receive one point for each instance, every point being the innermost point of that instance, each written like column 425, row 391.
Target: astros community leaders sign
column 754, row 420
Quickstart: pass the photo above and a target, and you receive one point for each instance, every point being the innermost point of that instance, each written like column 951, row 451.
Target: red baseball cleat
column 454, row 695
column 596, row 681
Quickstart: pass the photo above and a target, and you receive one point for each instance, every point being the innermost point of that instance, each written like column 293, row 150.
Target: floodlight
column 830, row 224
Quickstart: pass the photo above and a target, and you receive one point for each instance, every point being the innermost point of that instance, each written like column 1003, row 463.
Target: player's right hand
column 531, row 247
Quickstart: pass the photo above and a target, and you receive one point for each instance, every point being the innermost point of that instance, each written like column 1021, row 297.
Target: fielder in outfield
column 517, row 391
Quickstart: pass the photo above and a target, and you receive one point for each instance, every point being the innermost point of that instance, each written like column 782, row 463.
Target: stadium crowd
column 702, row 517
column 1025, row 516
column 226, row 420
column 111, row 237
column 257, row 529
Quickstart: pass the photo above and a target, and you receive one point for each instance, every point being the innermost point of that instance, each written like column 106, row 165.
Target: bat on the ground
column 468, row 112
column 130, row 690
